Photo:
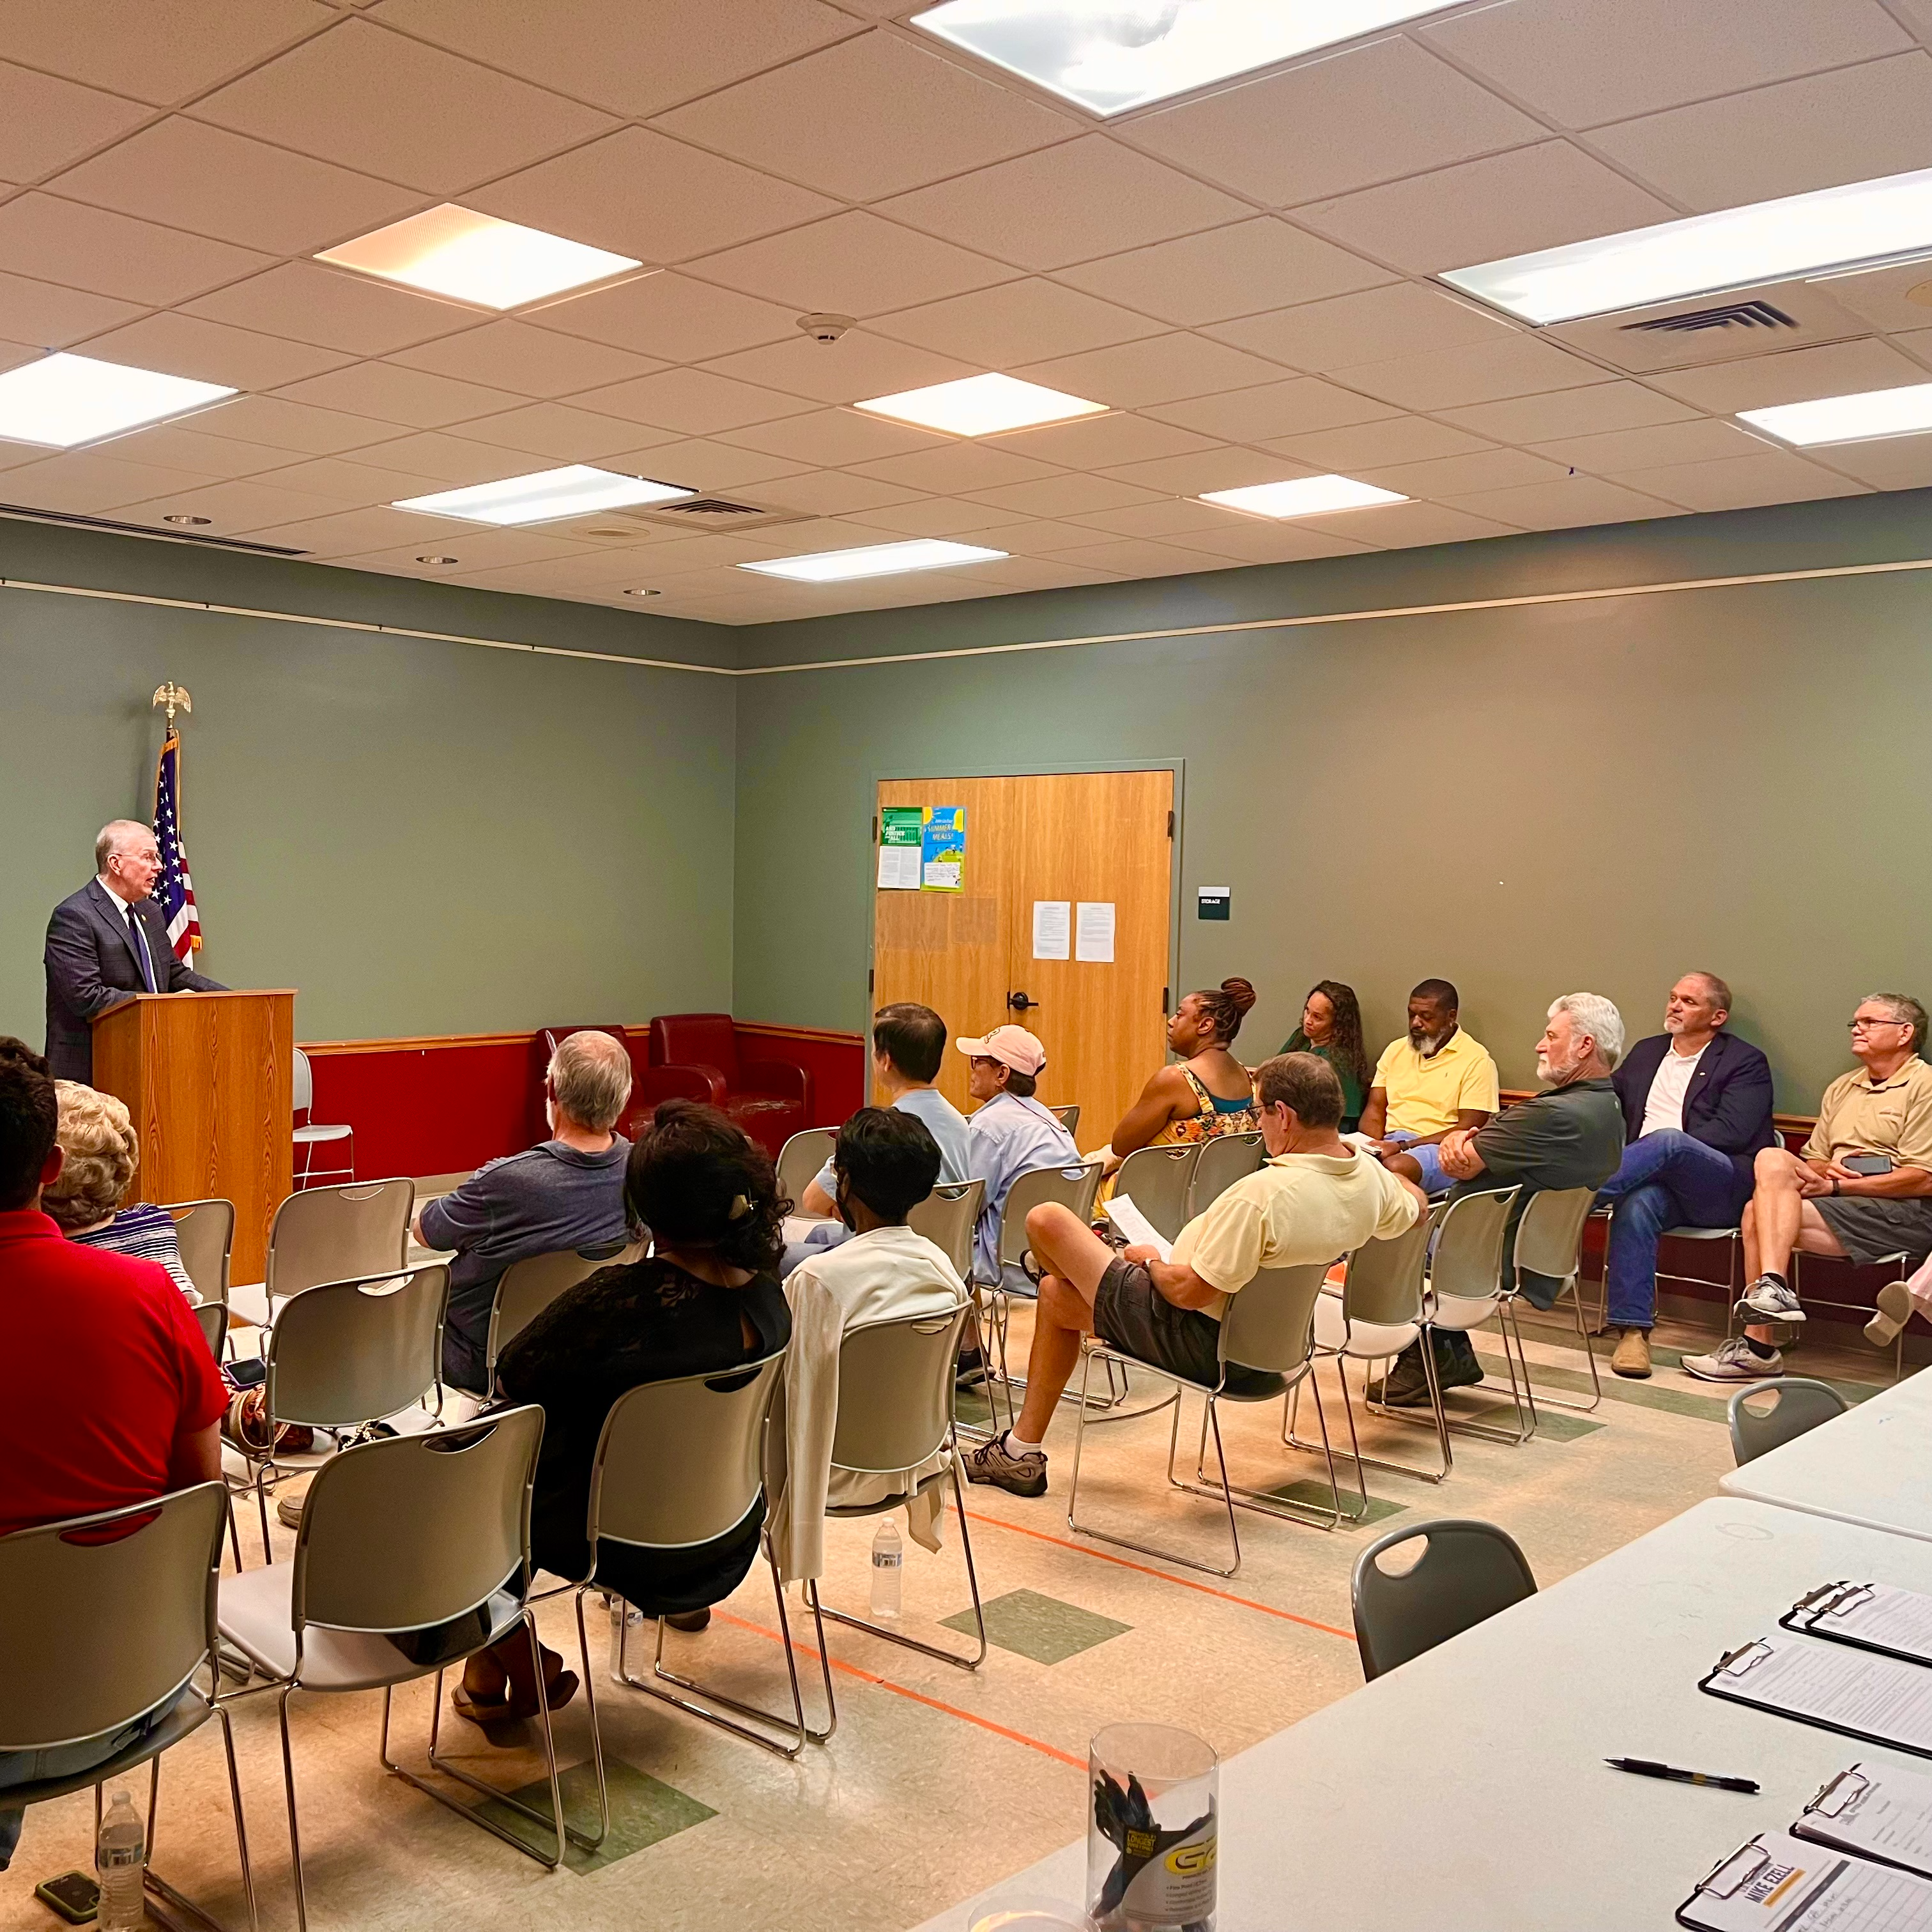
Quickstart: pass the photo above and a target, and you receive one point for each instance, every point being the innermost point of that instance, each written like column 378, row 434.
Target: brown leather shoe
column 1632, row 1357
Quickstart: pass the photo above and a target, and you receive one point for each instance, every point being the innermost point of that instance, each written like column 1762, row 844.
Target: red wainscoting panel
column 836, row 1062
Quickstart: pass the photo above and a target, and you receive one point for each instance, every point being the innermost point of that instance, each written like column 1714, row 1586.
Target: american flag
column 175, row 890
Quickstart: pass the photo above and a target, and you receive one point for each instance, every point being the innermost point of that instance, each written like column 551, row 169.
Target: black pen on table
column 1644, row 1767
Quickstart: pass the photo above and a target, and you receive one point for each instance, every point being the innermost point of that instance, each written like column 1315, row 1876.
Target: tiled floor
column 939, row 1781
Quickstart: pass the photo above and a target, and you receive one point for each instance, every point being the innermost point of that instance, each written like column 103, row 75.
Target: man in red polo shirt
column 108, row 1393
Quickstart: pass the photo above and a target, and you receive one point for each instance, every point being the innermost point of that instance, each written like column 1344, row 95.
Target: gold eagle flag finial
column 174, row 697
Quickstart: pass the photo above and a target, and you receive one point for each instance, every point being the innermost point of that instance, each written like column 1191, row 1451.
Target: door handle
column 1019, row 1003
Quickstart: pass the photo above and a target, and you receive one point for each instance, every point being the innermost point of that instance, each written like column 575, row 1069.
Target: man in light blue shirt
column 1011, row 1134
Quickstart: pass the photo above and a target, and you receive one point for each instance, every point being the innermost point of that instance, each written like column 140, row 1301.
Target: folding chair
column 1269, row 1327
column 1467, row 1571
column 1224, row 1160
column 526, row 1288
column 1798, row 1404
column 802, row 1158
column 205, row 1232
column 1901, row 1263
column 947, row 1217
column 331, row 1233
column 1156, row 1179
column 310, row 1134
column 1549, row 1241
column 413, row 1554
column 78, row 1666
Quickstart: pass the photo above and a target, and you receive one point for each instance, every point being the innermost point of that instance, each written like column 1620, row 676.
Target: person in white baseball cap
column 1010, row 1134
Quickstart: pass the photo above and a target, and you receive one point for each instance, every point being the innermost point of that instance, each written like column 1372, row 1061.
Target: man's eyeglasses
column 1865, row 1020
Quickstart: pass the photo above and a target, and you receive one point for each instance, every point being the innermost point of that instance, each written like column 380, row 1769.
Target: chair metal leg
column 160, row 1888
column 289, row 1792
column 1263, row 1502
column 1438, row 1419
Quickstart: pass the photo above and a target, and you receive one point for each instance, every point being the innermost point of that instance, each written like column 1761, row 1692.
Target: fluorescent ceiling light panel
column 982, row 406
column 1109, row 56
column 61, row 400
column 475, row 258
column 545, row 496
column 1768, row 241
column 1859, row 418
column 1304, row 496
column 834, row 566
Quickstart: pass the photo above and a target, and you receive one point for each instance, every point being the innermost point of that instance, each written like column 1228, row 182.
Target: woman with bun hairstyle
column 1209, row 1094
column 1331, row 1029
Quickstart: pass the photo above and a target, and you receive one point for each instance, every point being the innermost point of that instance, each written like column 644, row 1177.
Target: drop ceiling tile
column 642, row 194
column 212, row 182
column 511, row 355
column 831, row 437
column 1257, row 265
column 857, row 368
column 374, row 100
column 475, row 549
column 672, row 318
column 1015, row 324
column 347, row 533
column 1514, row 365
column 1159, row 369
column 89, row 482
column 1458, row 476
column 903, row 115
column 1094, row 442
column 299, row 427
column 1250, row 540
column 336, row 310
column 1737, row 482
column 1568, row 503
column 1602, row 407
column 1482, row 210
column 180, row 448
column 112, row 254
column 1273, row 410
column 12, row 355
column 159, row 53
column 1406, row 526
column 961, row 466
column 346, row 480
column 691, row 401
column 1031, row 536
column 1064, row 495
column 45, row 122
column 854, row 264
column 451, row 460
column 1852, row 125
column 681, row 553
column 1034, row 573
column 1082, row 198
column 1225, row 469
column 1373, row 326
column 1372, row 114
column 1363, row 446
column 701, row 464
column 1583, row 63
column 1796, row 376
column 928, row 517
column 412, row 398
column 1702, row 439
column 1892, row 463
column 52, row 317
column 831, row 493
column 562, row 431
column 1169, row 517
column 242, row 503
column 1132, row 557
column 632, row 60
column 211, row 352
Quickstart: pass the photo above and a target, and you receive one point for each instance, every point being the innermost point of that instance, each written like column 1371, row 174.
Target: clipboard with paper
column 1779, row 1883
column 1875, row 1812
column 1877, row 1617
column 1876, row 1700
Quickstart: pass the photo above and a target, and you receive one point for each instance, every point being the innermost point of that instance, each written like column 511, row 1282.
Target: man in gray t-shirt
column 567, row 1191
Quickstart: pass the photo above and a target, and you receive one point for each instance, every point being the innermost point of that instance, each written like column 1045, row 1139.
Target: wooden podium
column 208, row 1079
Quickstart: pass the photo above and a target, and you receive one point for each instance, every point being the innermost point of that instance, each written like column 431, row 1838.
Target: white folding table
column 1466, row 1791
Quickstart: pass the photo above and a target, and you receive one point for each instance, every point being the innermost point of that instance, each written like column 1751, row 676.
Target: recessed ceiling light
column 439, row 559
column 1304, row 496
column 643, row 593
column 1859, row 419
column 1768, row 241
column 830, row 566
column 1112, row 55
column 61, row 400
column 475, row 258
column 191, row 523
column 982, row 406
column 545, row 496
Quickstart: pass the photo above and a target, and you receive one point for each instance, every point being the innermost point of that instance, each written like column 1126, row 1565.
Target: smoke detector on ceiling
column 825, row 328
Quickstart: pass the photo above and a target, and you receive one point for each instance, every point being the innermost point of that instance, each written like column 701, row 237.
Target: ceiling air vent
column 1767, row 320
column 1752, row 314
column 690, row 513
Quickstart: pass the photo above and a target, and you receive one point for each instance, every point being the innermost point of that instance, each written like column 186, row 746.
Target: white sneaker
column 1733, row 1361
column 1771, row 1301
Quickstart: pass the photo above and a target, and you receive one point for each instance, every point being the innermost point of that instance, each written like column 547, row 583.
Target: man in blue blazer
column 1697, row 1104
column 105, row 944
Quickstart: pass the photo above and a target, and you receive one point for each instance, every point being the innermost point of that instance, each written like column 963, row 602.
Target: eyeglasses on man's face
column 1863, row 1022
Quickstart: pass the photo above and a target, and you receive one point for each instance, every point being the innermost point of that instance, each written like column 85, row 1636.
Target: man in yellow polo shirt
column 1432, row 1083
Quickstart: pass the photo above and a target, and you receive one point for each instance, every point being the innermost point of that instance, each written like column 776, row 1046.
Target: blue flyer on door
column 943, row 849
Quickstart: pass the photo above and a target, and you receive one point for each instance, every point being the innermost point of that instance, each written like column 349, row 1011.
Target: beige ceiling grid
column 1241, row 278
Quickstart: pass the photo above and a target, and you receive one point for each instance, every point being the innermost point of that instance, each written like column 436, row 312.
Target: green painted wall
column 423, row 837
column 1529, row 802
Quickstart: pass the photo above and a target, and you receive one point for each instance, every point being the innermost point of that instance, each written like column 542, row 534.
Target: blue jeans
column 1666, row 1180
column 1428, row 1156
column 29, row 1767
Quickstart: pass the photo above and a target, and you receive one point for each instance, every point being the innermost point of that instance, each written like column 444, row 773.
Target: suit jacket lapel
column 109, row 915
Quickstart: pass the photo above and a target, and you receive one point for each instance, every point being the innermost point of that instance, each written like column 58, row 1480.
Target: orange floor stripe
column 917, row 1696
column 1166, row 1577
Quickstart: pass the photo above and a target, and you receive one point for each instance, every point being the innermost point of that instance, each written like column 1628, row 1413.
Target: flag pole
column 179, row 888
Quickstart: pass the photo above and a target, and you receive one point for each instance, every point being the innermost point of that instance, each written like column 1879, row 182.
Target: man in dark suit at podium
column 107, row 942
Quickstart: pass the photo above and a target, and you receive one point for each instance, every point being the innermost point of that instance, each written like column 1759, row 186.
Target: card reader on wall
column 1213, row 901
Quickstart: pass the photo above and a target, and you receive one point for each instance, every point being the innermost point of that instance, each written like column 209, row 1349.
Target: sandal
column 487, row 1711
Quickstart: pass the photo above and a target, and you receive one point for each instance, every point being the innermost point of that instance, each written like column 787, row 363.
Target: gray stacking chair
column 1467, row 1571
column 1269, row 1326
column 311, row 1134
column 206, row 1231
column 947, row 1216
column 680, row 1463
column 95, row 1634
column 1798, row 1404
column 800, row 1158
column 1549, row 1241
column 1069, row 1117
column 1156, row 1179
column 526, row 1288
column 423, row 1537
column 331, row 1233
column 1224, row 1160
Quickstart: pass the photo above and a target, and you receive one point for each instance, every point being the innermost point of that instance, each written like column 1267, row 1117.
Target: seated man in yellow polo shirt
column 1862, row 1189
column 1432, row 1083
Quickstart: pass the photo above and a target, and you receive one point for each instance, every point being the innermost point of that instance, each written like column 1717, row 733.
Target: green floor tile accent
column 1616, row 1388
column 1041, row 1628
column 1318, row 1496
column 1559, row 1425
column 644, row 1812
column 971, row 1407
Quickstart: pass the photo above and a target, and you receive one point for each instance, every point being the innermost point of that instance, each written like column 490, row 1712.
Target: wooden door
column 1097, row 838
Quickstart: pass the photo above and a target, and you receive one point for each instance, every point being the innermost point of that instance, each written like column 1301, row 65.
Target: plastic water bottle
column 120, row 1858
column 888, row 1568
column 623, row 1618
